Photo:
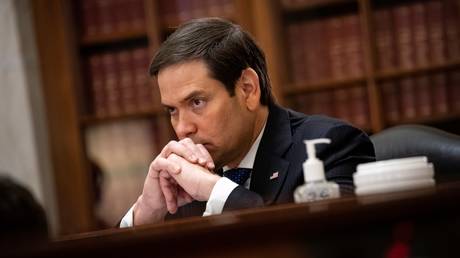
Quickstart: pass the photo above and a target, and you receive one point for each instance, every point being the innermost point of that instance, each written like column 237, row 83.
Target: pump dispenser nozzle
column 310, row 145
column 313, row 167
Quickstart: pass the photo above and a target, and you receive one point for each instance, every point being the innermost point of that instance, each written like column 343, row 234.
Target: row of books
column 100, row 17
column 328, row 48
column 417, row 34
column 349, row 104
column 123, row 152
column 421, row 96
column 173, row 12
column 412, row 97
column 119, row 82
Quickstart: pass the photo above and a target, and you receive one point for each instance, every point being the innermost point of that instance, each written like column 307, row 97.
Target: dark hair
column 20, row 214
column 225, row 48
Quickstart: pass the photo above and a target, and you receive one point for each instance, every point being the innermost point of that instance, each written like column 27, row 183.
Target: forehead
column 180, row 80
column 194, row 68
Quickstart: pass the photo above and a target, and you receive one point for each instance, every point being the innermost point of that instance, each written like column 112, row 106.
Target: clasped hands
column 181, row 173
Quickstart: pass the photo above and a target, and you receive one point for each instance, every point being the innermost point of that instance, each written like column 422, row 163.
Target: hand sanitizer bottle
column 316, row 187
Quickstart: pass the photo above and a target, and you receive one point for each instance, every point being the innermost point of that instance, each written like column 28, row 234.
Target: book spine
column 120, row 15
column 323, row 64
column 168, row 12
column 424, row 96
column 359, row 106
column 353, row 46
column 311, row 51
column 439, row 91
column 420, row 34
column 96, row 77
column 141, row 61
column 228, row 8
column 336, row 48
column 111, row 83
column 183, row 10
column 126, row 79
column 385, row 40
column 436, row 37
column 89, row 18
column 390, row 92
column 296, row 51
column 403, row 31
column 452, row 17
column 341, row 104
column 198, row 8
column 137, row 14
column 408, row 98
column 106, row 19
column 324, row 102
column 212, row 8
column 454, row 91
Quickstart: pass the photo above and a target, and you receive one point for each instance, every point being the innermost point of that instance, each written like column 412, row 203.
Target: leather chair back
column 441, row 148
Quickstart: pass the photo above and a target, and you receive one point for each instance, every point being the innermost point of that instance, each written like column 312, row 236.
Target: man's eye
column 171, row 110
column 197, row 103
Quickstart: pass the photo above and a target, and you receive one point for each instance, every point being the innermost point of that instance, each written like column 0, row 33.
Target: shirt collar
column 250, row 157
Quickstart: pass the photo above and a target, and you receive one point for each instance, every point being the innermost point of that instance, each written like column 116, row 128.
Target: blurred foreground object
column 21, row 216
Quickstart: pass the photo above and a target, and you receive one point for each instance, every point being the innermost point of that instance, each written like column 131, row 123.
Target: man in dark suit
column 213, row 81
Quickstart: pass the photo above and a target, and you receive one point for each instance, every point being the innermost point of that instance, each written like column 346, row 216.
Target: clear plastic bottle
column 316, row 187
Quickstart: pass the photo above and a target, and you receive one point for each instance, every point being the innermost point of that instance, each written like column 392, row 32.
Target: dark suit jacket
column 282, row 150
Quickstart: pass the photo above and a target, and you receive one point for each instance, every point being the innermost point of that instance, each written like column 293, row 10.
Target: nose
column 184, row 127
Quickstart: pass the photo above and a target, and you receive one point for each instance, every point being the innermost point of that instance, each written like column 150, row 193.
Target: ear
column 249, row 88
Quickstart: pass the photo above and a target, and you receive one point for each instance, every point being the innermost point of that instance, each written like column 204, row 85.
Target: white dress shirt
column 222, row 188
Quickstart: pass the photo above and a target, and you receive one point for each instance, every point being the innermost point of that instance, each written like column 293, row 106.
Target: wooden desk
column 347, row 227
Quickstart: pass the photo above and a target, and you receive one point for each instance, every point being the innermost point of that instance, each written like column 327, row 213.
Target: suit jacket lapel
column 276, row 140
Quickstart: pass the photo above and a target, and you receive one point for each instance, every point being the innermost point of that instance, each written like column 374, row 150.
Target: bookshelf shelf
column 113, row 37
column 398, row 73
column 304, row 88
column 299, row 6
column 439, row 118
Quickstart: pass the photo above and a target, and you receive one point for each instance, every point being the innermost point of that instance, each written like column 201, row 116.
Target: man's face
column 203, row 110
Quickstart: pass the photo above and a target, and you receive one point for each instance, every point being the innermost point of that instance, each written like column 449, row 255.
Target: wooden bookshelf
column 395, row 74
column 433, row 23
column 88, row 41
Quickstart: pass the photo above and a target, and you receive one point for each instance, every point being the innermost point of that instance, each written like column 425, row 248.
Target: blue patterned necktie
column 238, row 175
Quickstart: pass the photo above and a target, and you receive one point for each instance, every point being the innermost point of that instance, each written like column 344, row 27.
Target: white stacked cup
column 393, row 175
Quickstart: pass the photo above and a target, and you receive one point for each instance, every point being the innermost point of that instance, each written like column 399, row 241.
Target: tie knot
column 238, row 175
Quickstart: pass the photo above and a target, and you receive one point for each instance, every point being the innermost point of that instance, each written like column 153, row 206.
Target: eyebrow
column 189, row 96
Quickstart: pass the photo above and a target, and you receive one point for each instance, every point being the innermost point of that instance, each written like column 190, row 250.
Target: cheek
column 218, row 125
column 229, row 126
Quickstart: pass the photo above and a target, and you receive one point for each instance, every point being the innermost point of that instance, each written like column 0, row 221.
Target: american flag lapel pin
column 274, row 175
